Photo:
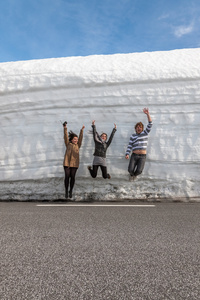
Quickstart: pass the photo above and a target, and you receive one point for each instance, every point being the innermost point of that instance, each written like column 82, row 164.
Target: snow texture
column 36, row 95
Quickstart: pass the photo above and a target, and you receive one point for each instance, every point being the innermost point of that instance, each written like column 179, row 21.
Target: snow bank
column 36, row 95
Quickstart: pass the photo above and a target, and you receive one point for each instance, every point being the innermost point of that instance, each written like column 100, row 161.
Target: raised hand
column 146, row 110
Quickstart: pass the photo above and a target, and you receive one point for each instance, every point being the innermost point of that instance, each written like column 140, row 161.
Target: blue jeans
column 136, row 164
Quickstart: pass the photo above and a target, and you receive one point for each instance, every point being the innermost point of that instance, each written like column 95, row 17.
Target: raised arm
column 80, row 138
column 66, row 138
column 112, row 135
column 146, row 111
column 149, row 125
column 94, row 132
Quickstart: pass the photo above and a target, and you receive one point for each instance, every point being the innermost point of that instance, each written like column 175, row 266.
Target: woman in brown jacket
column 71, row 159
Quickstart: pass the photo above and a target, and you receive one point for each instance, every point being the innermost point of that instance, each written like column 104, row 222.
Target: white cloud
column 182, row 30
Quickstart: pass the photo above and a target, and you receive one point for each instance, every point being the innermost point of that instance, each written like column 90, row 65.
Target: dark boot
column 70, row 194
column 66, row 194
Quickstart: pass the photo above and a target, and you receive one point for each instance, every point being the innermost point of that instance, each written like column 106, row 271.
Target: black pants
column 93, row 171
column 136, row 164
column 70, row 174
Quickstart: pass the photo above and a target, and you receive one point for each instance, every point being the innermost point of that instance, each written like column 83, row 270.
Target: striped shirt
column 139, row 141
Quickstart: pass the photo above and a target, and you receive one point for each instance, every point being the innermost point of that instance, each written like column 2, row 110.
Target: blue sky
column 38, row 29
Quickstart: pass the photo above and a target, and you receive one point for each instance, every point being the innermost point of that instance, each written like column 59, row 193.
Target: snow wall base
column 88, row 190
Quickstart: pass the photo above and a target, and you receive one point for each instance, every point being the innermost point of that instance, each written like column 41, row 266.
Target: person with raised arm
column 101, row 146
column 71, row 158
column 138, row 146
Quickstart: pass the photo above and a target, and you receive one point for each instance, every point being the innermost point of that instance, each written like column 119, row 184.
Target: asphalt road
column 100, row 252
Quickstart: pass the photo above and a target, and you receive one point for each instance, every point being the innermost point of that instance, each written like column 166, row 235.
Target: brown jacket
column 71, row 158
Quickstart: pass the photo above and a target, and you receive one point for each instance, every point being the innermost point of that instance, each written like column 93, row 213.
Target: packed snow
column 37, row 96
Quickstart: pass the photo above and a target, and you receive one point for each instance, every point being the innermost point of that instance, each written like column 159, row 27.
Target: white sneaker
column 132, row 178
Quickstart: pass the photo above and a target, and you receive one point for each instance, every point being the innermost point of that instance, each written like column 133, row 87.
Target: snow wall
column 36, row 95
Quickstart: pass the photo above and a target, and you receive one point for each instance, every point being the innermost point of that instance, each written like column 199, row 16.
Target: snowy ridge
column 36, row 95
column 100, row 69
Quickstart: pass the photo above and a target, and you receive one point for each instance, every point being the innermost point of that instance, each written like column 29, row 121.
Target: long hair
column 71, row 135
column 140, row 124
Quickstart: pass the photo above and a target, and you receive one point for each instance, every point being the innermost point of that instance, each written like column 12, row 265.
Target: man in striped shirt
column 138, row 145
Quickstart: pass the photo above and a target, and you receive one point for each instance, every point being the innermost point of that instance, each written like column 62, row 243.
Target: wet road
column 98, row 252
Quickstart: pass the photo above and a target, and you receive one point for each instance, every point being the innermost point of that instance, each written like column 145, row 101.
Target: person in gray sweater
column 101, row 146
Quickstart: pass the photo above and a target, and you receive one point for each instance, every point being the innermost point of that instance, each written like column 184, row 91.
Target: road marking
column 97, row 205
